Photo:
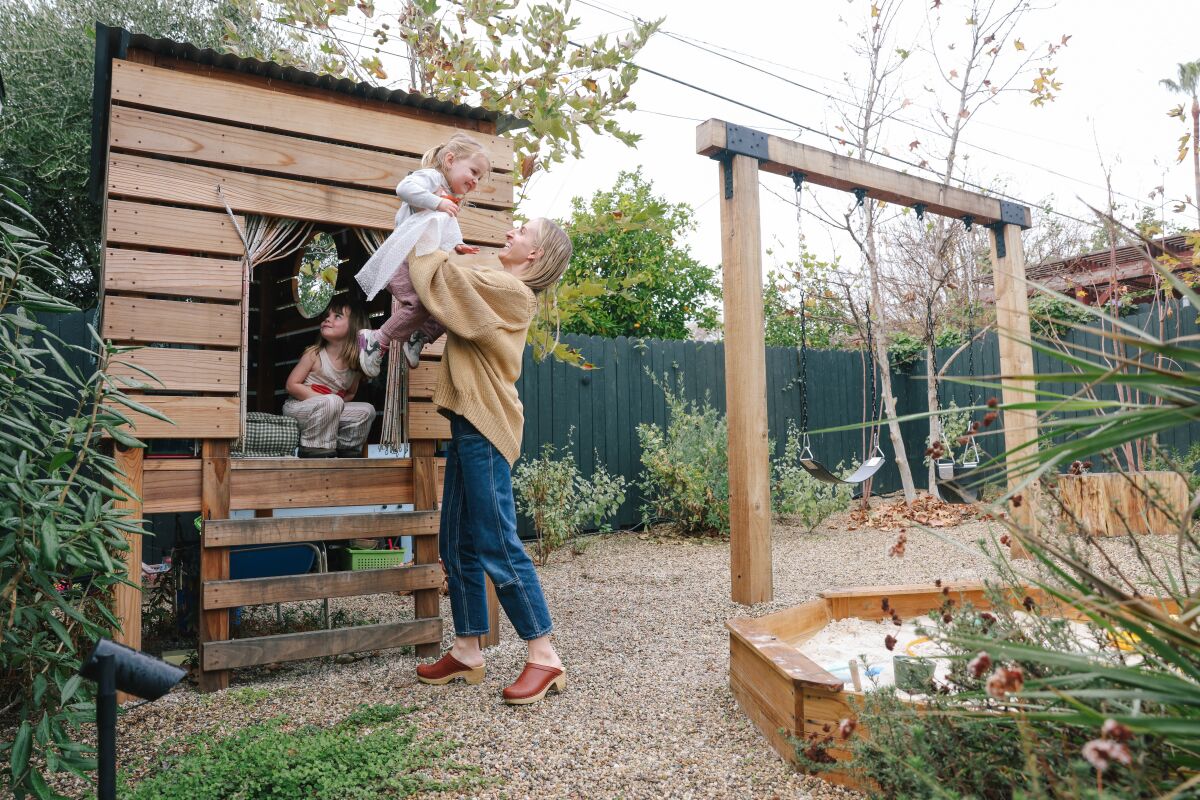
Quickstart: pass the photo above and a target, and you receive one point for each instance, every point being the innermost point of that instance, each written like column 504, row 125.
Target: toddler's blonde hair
column 461, row 145
column 356, row 316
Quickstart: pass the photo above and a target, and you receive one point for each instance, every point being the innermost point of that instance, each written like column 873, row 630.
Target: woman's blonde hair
column 556, row 249
column 461, row 145
column 357, row 320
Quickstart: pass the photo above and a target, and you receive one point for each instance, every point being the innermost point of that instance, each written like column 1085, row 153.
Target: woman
column 487, row 313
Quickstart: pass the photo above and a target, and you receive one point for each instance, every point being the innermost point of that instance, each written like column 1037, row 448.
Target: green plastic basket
column 373, row 559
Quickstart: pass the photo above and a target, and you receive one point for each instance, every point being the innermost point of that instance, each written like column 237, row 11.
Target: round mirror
column 316, row 277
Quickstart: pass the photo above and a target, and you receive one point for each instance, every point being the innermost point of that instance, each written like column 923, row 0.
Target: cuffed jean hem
column 546, row 632
column 460, row 634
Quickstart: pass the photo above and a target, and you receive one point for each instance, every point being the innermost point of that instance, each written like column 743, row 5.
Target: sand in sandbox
column 863, row 640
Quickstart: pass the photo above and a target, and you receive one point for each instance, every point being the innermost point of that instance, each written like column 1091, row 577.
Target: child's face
column 336, row 325
column 464, row 174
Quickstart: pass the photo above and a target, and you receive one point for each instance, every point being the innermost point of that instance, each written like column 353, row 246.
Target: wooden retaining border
column 788, row 695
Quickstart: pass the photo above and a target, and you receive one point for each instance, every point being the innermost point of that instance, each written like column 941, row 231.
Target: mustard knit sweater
column 486, row 313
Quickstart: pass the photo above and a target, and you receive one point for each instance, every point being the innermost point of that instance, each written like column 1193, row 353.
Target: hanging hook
column 806, row 453
column 920, row 209
column 798, row 179
column 860, row 194
column 968, row 220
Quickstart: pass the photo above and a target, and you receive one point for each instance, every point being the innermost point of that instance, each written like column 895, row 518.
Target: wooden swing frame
column 743, row 152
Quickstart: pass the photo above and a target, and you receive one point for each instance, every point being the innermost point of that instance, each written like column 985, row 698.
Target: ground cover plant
column 372, row 753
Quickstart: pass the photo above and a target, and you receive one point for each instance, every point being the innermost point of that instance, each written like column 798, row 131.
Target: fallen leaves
column 926, row 510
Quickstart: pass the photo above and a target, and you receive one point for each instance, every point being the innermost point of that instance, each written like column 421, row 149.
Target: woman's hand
column 448, row 206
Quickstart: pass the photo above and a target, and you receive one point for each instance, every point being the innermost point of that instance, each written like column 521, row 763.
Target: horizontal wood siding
column 273, row 106
column 191, row 418
column 140, row 131
column 179, row 370
column 424, row 421
column 184, row 230
column 175, row 182
column 136, row 319
column 174, row 275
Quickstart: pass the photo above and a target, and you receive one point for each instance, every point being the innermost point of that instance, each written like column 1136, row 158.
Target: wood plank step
column 234, row 653
column 278, row 530
column 318, row 586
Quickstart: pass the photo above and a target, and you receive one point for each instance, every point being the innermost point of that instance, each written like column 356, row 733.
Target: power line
column 840, row 99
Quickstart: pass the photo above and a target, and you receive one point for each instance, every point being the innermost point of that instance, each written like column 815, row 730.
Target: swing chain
column 798, row 183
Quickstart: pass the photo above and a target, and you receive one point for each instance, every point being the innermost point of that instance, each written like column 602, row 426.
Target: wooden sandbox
column 788, row 695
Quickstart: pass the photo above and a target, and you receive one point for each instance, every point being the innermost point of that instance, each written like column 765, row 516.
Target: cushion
column 268, row 435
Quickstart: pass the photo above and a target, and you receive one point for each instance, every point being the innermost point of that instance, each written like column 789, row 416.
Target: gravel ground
column 640, row 625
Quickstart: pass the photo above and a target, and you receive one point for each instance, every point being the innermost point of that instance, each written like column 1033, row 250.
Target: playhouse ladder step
column 320, row 586
column 284, row 530
column 233, row 653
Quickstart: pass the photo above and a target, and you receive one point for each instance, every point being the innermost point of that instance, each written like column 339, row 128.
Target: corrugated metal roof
column 116, row 42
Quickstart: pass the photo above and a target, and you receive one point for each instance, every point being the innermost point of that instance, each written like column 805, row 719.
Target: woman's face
column 336, row 325
column 464, row 174
column 522, row 247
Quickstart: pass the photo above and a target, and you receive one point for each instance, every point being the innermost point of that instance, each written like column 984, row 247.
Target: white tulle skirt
column 418, row 234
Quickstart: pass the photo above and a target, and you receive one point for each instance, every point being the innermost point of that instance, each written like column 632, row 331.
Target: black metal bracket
column 740, row 141
column 968, row 220
column 860, row 194
column 920, row 209
column 798, row 179
column 998, row 234
column 1014, row 214
column 746, row 142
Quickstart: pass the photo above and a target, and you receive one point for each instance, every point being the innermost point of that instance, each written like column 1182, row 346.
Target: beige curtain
column 263, row 239
column 395, row 403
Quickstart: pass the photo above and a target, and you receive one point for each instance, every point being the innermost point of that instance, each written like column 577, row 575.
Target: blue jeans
column 479, row 535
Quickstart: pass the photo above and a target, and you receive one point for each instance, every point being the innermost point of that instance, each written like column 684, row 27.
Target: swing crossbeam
column 717, row 139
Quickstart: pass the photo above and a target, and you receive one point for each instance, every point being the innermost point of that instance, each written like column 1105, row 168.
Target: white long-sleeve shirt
column 418, row 218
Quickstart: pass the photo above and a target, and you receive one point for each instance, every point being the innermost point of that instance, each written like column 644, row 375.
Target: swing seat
column 865, row 471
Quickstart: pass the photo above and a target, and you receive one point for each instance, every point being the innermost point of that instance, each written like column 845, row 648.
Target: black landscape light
column 117, row 667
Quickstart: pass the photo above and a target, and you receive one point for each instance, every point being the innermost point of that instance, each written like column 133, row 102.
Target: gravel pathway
column 640, row 625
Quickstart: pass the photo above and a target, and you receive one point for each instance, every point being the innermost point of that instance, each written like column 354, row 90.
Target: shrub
column 370, row 754
column 561, row 502
column 795, row 493
column 61, row 542
column 685, row 469
column 685, row 472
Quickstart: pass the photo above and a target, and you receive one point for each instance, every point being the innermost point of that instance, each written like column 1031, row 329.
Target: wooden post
column 425, row 548
column 492, row 637
column 745, row 382
column 127, row 600
column 214, row 561
column 1016, row 358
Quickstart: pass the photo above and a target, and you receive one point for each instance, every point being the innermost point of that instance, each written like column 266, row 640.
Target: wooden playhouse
column 190, row 148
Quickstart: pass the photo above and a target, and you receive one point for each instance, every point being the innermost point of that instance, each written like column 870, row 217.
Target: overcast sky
column 1110, row 108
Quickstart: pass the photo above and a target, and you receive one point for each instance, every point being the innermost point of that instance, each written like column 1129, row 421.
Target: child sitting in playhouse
column 322, row 387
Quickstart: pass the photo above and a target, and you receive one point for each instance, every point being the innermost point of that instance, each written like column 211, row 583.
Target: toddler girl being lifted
column 431, row 198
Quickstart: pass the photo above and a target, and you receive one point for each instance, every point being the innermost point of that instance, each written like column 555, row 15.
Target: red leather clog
column 533, row 684
column 446, row 669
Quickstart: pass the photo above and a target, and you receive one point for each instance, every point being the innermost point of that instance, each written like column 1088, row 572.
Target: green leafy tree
column 47, row 60
column 1187, row 83
column 521, row 59
column 627, row 239
column 805, row 287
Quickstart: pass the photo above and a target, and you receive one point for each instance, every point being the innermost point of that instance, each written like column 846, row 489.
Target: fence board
column 191, row 418
column 282, row 530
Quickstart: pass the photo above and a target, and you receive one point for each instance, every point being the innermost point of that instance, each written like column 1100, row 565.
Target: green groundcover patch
column 371, row 753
